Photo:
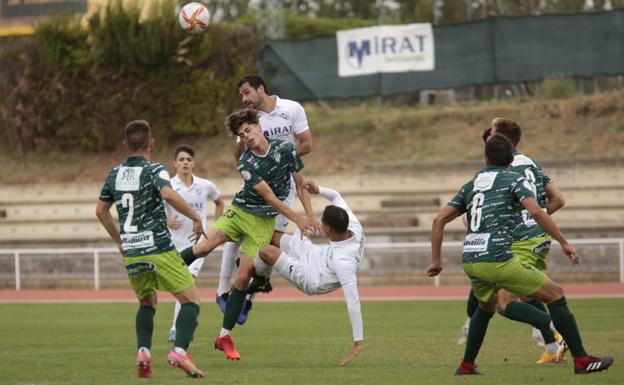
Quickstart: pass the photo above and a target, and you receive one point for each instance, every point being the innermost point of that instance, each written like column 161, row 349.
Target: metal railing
column 370, row 247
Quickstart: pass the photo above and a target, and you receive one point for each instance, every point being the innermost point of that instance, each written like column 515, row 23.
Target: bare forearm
column 546, row 222
column 281, row 207
column 304, row 197
column 553, row 205
column 303, row 148
column 109, row 225
column 437, row 235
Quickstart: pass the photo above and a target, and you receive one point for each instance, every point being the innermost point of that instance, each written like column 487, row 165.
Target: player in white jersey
column 280, row 119
column 319, row 269
column 197, row 192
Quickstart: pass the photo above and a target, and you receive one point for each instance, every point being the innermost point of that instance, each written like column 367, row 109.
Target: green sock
column 145, row 326
column 523, row 312
column 472, row 305
column 186, row 324
column 233, row 308
column 188, row 256
column 539, row 305
column 566, row 325
column 476, row 333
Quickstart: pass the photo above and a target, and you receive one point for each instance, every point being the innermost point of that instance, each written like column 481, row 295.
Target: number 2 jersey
column 134, row 187
column 492, row 202
column 527, row 228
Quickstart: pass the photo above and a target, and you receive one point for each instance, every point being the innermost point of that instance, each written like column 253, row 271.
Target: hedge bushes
column 74, row 86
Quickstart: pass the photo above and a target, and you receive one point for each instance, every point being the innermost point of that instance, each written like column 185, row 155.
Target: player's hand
column 311, row 187
column 173, row 224
column 308, row 226
column 198, row 231
column 434, row 269
column 357, row 347
column 571, row 253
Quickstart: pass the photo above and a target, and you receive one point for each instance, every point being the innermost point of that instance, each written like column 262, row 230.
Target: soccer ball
column 194, row 17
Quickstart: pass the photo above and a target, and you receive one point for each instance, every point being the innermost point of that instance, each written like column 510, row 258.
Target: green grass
column 295, row 343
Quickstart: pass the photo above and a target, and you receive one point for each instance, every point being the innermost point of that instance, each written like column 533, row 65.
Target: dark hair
column 184, row 148
column 509, row 129
column 486, row 134
column 137, row 135
column 254, row 81
column 336, row 218
column 499, row 151
column 237, row 118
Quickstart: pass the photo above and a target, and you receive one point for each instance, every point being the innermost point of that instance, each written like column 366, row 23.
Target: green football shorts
column 532, row 251
column 163, row 271
column 513, row 275
column 253, row 230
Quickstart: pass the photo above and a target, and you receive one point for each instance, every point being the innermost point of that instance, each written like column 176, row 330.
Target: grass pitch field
column 295, row 343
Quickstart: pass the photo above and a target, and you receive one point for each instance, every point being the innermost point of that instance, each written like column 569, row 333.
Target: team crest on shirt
column 277, row 156
column 284, row 115
column 246, row 175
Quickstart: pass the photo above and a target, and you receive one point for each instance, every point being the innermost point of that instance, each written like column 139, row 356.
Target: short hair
column 137, row 135
column 336, row 218
column 486, row 134
column 239, row 117
column 509, row 129
column 184, row 148
column 254, row 81
column 499, row 151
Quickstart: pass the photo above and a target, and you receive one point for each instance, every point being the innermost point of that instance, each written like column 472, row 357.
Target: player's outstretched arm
column 445, row 215
column 178, row 203
column 555, row 198
column 547, row 223
column 303, row 195
column 102, row 211
column 304, row 224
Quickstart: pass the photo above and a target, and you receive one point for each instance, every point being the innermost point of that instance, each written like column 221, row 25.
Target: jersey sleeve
column 522, row 189
column 248, row 174
column 299, row 119
column 106, row 195
column 458, row 202
column 160, row 177
column 347, row 275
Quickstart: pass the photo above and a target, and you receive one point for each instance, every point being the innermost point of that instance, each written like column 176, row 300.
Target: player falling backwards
column 494, row 199
column 530, row 243
column 316, row 269
column 197, row 192
column 266, row 168
column 138, row 187
column 281, row 119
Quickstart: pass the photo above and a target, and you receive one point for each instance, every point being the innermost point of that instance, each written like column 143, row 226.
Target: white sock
column 228, row 262
column 552, row 327
column 262, row 268
column 179, row 350
column 224, row 332
column 467, row 324
column 536, row 333
column 145, row 350
column 176, row 311
column 552, row 347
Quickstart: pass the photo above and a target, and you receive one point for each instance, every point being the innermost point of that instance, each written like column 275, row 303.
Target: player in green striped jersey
column 530, row 244
column 138, row 187
column 266, row 168
column 493, row 200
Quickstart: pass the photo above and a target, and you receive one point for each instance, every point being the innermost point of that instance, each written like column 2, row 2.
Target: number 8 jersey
column 134, row 187
column 492, row 200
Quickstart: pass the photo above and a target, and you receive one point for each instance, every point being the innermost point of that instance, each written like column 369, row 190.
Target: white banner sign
column 385, row 48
